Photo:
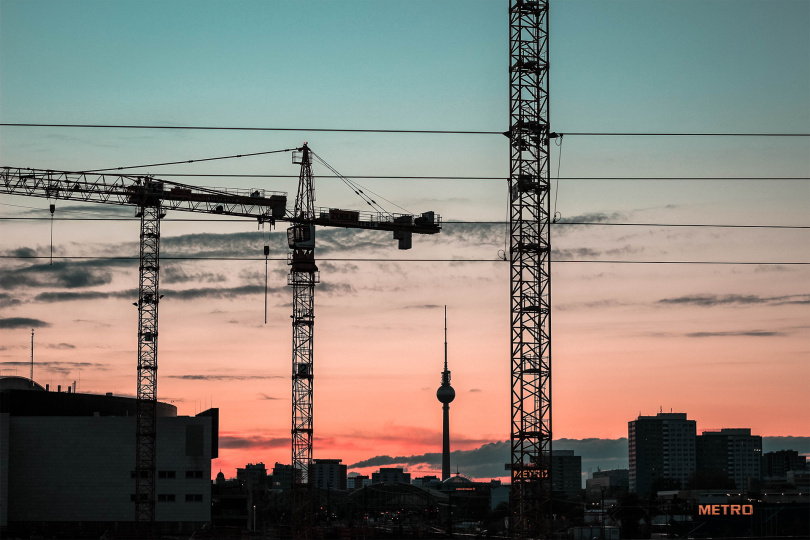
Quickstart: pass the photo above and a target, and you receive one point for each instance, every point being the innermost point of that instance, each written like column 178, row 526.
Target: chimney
column 59, row 388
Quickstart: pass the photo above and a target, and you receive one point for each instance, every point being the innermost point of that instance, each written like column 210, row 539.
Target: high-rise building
column 661, row 447
column 328, row 474
column 734, row 451
column 566, row 473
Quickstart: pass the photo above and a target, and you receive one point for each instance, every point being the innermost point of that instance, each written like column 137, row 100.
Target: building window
column 167, row 474
column 166, row 497
column 194, row 474
column 194, row 497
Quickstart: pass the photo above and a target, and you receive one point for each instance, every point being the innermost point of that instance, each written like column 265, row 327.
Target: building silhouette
column 67, row 462
column 566, row 473
column 733, row 451
column 328, row 474
column 662, row 448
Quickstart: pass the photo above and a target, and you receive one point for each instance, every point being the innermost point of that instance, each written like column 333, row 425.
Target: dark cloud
column 64, row 275
column 572, row 254
column 6, row 300
column 172, row 273
column 487, row 461
column 66, row 296
column 711, row 300
column 220, row 292
column 593, row 217
column 22, row 322
column 270, row 398
column 774, row 444
column 749, row 333
column 60, row 346
column 58, row 368
column 252, row 443
column 219, row 377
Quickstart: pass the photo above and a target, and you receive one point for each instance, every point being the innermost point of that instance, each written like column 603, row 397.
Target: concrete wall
column 80, row 468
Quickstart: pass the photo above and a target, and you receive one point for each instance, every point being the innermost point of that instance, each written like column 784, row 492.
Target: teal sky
column 628, row 338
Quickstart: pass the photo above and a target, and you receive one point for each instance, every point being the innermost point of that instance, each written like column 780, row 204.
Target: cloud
column 270, row 398
column 59, row 368
column 6, row 300
column 255, row 442
column 65, row 275
column 475, row 390
column 60, row 346
column 172, row 273
column 22, row 322
column 749, row 333
column 489, row 459
column 219, row 292
column 712, row 300
column 220, row 377
column 86, row 295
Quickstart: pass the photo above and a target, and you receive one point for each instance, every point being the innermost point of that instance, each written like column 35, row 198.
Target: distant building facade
column 252, row 475
column 328, row 474
column 358, row 481
column 566, row 473
column 283, row 476
column 390, row 475
column 607, row 483
column 777, row 464
column 734, row 451
column 661, row 447
column 67, row 460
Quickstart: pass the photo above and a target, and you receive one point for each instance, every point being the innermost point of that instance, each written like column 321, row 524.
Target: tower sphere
column 445, row 394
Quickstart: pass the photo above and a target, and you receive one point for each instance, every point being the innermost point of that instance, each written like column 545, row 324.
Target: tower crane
column 152, row 197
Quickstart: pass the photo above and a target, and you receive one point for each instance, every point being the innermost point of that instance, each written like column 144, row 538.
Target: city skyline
column 628, row 337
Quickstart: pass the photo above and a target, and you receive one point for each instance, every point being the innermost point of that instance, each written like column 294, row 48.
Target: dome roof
column 457, row 481
column 14, row 382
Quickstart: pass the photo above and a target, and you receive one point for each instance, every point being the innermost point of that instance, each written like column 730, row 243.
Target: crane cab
column 301, row 236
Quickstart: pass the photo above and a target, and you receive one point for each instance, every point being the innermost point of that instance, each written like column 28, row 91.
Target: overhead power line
column 444, row 223
column 349, row 259
column 189, row 161
column 416, row 131
column 503, row 178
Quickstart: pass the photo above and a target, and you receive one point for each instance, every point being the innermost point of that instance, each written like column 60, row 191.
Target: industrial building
column 67, row 462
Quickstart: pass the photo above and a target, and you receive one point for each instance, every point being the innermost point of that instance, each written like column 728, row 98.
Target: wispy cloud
column 712, row 300
column 221, row 377
column 59, row 368
column 22, row 322
column 254, row 442
column 746, row 333
column 64, row 275
column 270, row 398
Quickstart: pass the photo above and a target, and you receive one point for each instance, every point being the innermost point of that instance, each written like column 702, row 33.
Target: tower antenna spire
column 445, row 394
column 32, row 357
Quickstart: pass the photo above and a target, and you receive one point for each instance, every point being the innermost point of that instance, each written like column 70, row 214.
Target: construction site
column 230, row 280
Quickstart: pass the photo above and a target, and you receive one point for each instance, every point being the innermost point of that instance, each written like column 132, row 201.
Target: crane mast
column 302, row 278
column 530, row 270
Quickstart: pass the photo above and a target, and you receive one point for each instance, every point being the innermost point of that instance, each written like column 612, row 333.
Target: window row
column 170, row 474
column 171, row 497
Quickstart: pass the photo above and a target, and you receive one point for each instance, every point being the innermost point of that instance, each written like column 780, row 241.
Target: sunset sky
column 632, row 332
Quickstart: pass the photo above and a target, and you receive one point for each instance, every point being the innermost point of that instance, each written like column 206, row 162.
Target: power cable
column 444, row 223
column 429, row 131
column 180, row 258
column 190, row 161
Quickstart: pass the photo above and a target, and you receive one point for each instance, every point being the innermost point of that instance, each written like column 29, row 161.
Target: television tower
column 445, row 394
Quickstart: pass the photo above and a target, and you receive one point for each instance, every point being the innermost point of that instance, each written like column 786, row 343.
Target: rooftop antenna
column 32, row 357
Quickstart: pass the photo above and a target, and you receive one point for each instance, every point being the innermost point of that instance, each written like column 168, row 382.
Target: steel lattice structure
column 146, row 423
column 303, row 277
column 530, row 269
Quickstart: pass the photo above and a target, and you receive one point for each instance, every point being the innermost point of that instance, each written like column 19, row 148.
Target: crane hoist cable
column 556, row 217
column 361, row 191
